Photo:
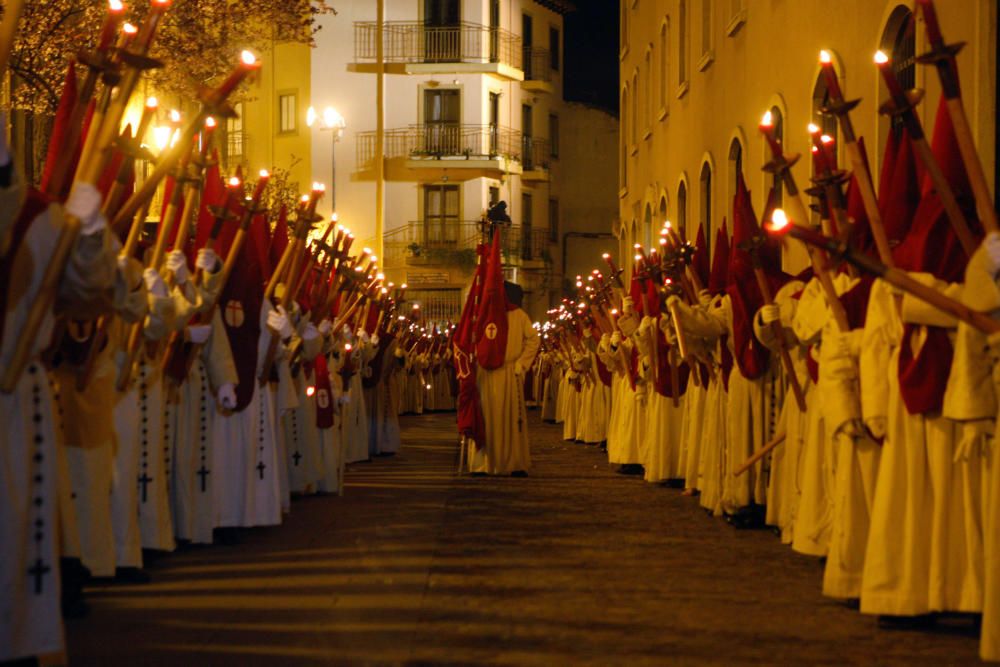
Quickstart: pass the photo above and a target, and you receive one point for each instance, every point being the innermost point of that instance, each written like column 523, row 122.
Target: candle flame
column 605, row 256
column 304, row 199
column 115, row 5
column 637, row 246
column 247, row 58
column 210, row 123
column 614, row 311
column 335, row 218
column 310, row 391
column 347, row 347
column 663, row 241
column 779, row 221
column 380, row 276
column 403, row 286
column 813, row 149
column 767, row 120
column 234, row 182
column 813, row 128
column 638, row 257
column 129, row 29
column 579, row 283
column 825, row 57
column 826, row 139
column 151, row 103
column 319, row 187
column 881, row 58
column 374, row 258
column 366, row 251
column 264, row 173
column 175, row 116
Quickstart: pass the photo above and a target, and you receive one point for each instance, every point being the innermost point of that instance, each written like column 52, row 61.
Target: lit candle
column 766, row 127
column 248, row 63
column 896, row 91
column 830, row 74
column 258, row 190
column 115, row 12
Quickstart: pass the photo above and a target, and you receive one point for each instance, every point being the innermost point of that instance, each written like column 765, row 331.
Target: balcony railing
column 442, row 140
column 535, row 153
column 453, row 243
column 416, row 42
column 537, row 64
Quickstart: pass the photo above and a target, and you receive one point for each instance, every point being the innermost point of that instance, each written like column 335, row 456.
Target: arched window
column 778, row 121
column 705, row 214
column 735, row 167
column 826, row 123
column 898, row 41
column 648, row 79
column 636, row 101
column 661, row 212
column 682, row 207
column 647, row 230
column 633, row 239
column 664, row 63
column 623, row 162
column 682, row 45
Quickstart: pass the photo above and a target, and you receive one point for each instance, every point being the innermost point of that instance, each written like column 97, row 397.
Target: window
column 634, row 121
column 554, row 220
column 442, row 109
column 682, row 46
column 735, row 168
column 647, row 76
column 235, row 139
column 553, row 135
column 440, row 215
column 664, row 63
column 528, row 138
column 778, row 121
column 898, row 42
column 526, row 232
column 554, row 49
column 682, row 207
column 706, row 198
column 494, row 195
column 827, row 125
column 437, row 305
column 286, row 113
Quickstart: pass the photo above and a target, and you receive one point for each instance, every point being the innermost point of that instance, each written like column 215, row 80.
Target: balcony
column 412, row 47
column 481, row 149
column 536, row 154
column 453, row 244
column 537, row 70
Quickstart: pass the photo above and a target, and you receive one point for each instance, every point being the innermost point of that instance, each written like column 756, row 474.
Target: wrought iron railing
column 535, row 153
column 453, row 243
column 442, row 140
column 416, row 42
column 537, row 64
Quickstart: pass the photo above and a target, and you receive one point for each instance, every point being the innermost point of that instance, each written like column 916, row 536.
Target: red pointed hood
column 635, row 292
column 899, row 190
column 491, row 320
column 60, row 131
column 700, row 262
column 861, row 231
column 719, row 276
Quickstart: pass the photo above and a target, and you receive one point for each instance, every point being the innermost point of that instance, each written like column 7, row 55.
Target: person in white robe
column 506, row 449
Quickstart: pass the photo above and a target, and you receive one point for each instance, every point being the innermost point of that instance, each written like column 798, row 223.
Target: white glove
column 374, row 340
column 154, row 283
column 227, row 396
column 176, row 263
column 207, row 260
column 628, row 307
column 991, row 245
column 518, row 369
column 325, row 327
column 616, row 339
column 277, row 321
column 310, row 332
column 199, row 333
column 770, row 313
column 705, row 298
column 122, row 264
column 363, row 336
column 84, row 203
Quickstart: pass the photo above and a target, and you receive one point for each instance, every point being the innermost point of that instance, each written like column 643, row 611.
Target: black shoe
column 227, row 536
column 73, row 576
column 519, row 473
column 919, row 622
column 477, row 474
column 631, row 469
column 131, row 575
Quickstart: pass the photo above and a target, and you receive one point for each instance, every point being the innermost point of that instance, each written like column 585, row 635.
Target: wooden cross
column 260, row 469
column 39, row 570
column 203, row 472
column 297, row 456
column 143, row 483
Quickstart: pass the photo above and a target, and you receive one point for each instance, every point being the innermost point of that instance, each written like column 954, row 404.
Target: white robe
column 501, row 391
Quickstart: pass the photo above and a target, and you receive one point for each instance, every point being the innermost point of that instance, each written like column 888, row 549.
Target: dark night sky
column 591, row 52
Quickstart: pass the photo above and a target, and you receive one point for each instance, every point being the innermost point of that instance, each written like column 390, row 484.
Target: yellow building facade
column 697, row 75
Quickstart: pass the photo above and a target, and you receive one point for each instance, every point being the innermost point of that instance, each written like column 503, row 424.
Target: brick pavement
column 573, row 565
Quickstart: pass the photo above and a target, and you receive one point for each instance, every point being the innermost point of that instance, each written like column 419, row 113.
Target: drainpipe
column 379, row 131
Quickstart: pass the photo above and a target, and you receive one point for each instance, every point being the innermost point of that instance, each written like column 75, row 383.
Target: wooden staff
column 942, row 56
column 903, row 105
column 841, row 108
column 301, row 233
column 900, row 279
column 131, row 145
column 759, row 454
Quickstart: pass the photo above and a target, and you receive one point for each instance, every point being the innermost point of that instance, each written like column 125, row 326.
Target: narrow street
column 573, row 565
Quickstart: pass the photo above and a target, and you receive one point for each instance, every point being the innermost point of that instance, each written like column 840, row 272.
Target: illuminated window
column 286, row 113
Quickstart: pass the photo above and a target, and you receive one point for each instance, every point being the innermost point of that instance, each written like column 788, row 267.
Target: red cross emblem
column 323, row 398
column 234, row 314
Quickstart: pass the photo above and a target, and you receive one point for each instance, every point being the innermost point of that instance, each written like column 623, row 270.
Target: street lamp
column 335, row 123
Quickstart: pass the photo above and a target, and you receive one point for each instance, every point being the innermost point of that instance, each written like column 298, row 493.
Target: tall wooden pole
column 379, row 130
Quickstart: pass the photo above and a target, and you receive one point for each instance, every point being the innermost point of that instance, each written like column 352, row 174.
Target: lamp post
column 331, row 120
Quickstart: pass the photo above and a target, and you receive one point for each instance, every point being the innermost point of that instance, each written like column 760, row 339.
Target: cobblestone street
column 573, row 565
